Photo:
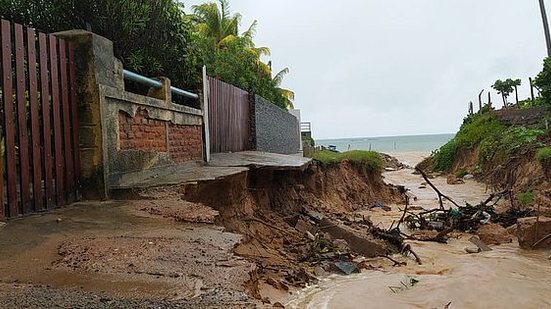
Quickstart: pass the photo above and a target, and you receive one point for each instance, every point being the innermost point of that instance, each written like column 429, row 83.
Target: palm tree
column 286, row 93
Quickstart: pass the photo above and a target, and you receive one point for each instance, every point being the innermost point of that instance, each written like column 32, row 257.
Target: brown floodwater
column 506, row 277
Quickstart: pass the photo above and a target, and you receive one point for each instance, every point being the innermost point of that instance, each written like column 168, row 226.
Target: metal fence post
column 206, row 93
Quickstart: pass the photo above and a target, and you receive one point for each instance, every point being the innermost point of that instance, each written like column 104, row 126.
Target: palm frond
column 278, row 79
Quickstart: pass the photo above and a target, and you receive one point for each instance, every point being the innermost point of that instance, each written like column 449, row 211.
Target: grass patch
column 370, row 159
column 444, row 157
column 475, row 129
column 526, row 198
column 543, row 155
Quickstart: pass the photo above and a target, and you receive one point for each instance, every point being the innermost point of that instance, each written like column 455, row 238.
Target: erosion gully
column 506, row 277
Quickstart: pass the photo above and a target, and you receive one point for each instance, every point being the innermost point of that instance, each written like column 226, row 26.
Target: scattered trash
column 389, row 169
column 380, row 205
column 468, row 177
column 347, row 268
column 405, row 285
column 58, row 220
column 486, row 219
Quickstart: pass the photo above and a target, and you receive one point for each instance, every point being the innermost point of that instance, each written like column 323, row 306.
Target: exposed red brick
column 140, row 133
column 185, row 143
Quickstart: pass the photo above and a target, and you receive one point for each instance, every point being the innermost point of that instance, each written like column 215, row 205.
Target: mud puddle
column 506, row 277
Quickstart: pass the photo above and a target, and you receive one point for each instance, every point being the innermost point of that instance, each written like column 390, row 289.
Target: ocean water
column 413, row 143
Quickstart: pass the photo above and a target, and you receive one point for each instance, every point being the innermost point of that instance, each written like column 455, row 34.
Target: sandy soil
column 105, row 255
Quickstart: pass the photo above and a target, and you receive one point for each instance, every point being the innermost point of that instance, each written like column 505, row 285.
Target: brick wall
column 183, row 142
column 141, row 133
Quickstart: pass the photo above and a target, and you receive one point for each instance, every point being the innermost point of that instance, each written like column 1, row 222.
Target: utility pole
column 545, row 27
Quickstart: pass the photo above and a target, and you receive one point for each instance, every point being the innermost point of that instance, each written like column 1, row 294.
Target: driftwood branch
column 441, row 195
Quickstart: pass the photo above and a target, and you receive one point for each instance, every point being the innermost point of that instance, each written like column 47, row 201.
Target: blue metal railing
column 153, row 83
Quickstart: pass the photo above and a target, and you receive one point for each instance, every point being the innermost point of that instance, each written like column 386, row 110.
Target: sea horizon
column 398, row 143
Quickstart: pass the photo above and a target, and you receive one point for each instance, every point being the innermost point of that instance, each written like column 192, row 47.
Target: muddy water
column 506, row 277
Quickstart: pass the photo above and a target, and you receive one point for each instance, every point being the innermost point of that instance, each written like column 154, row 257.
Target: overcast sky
column 363, row 68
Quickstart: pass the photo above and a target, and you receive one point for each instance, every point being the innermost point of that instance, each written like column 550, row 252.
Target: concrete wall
column 275, row 130
column 123, row 135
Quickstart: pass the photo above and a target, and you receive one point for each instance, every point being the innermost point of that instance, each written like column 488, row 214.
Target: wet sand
column 506, row 277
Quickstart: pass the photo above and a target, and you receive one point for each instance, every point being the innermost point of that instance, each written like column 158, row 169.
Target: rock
column 277, row 284
column 360, row 243
column 453, row 180
column 340, row 244
column 347, row 267
column 425, row 235
column 494, row 234
column 303, row 226
column 472, row 250
column 319, row 271
column 278, row 305
column 512, row 230
column 530, row 231
column 482, row 246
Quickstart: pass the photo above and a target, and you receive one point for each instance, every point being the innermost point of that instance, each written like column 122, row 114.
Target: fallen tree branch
column 440, row 194
column 541, row 240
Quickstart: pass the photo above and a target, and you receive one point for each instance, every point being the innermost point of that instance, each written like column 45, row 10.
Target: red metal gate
column 229, row 117
column 40, row 151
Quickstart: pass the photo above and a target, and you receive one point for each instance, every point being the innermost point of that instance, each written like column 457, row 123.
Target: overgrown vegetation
column 526, row 198
column 444, row 157
column 495, row 142
column 371, row 159
column 543, row 155
column 501, row 145
column 543, row 82
column 156, row 38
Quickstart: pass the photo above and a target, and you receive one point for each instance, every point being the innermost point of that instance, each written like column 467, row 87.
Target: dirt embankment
column 520, row 172
column 265, row 205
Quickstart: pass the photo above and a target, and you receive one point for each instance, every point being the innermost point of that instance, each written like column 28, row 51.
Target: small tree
column 505, row 88
column 543, row 82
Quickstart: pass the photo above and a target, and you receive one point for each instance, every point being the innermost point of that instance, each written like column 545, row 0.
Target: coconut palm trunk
column 545, row 27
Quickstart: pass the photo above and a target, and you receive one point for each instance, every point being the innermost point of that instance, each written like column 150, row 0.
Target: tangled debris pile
column 468, row 218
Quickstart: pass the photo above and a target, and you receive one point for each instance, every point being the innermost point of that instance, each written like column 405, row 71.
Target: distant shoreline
column 396, row 144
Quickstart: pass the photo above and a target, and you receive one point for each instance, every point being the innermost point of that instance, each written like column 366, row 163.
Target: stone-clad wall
column 275, row 129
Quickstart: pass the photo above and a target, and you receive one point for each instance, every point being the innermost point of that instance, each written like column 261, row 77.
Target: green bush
column 543, row 155
column 500, row 146
column 474, row 130
column 370, row 159
column 526, row 198
column 444, row 157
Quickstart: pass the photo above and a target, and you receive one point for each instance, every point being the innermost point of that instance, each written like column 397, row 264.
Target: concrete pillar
column 95, row 65
column 164, row 93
